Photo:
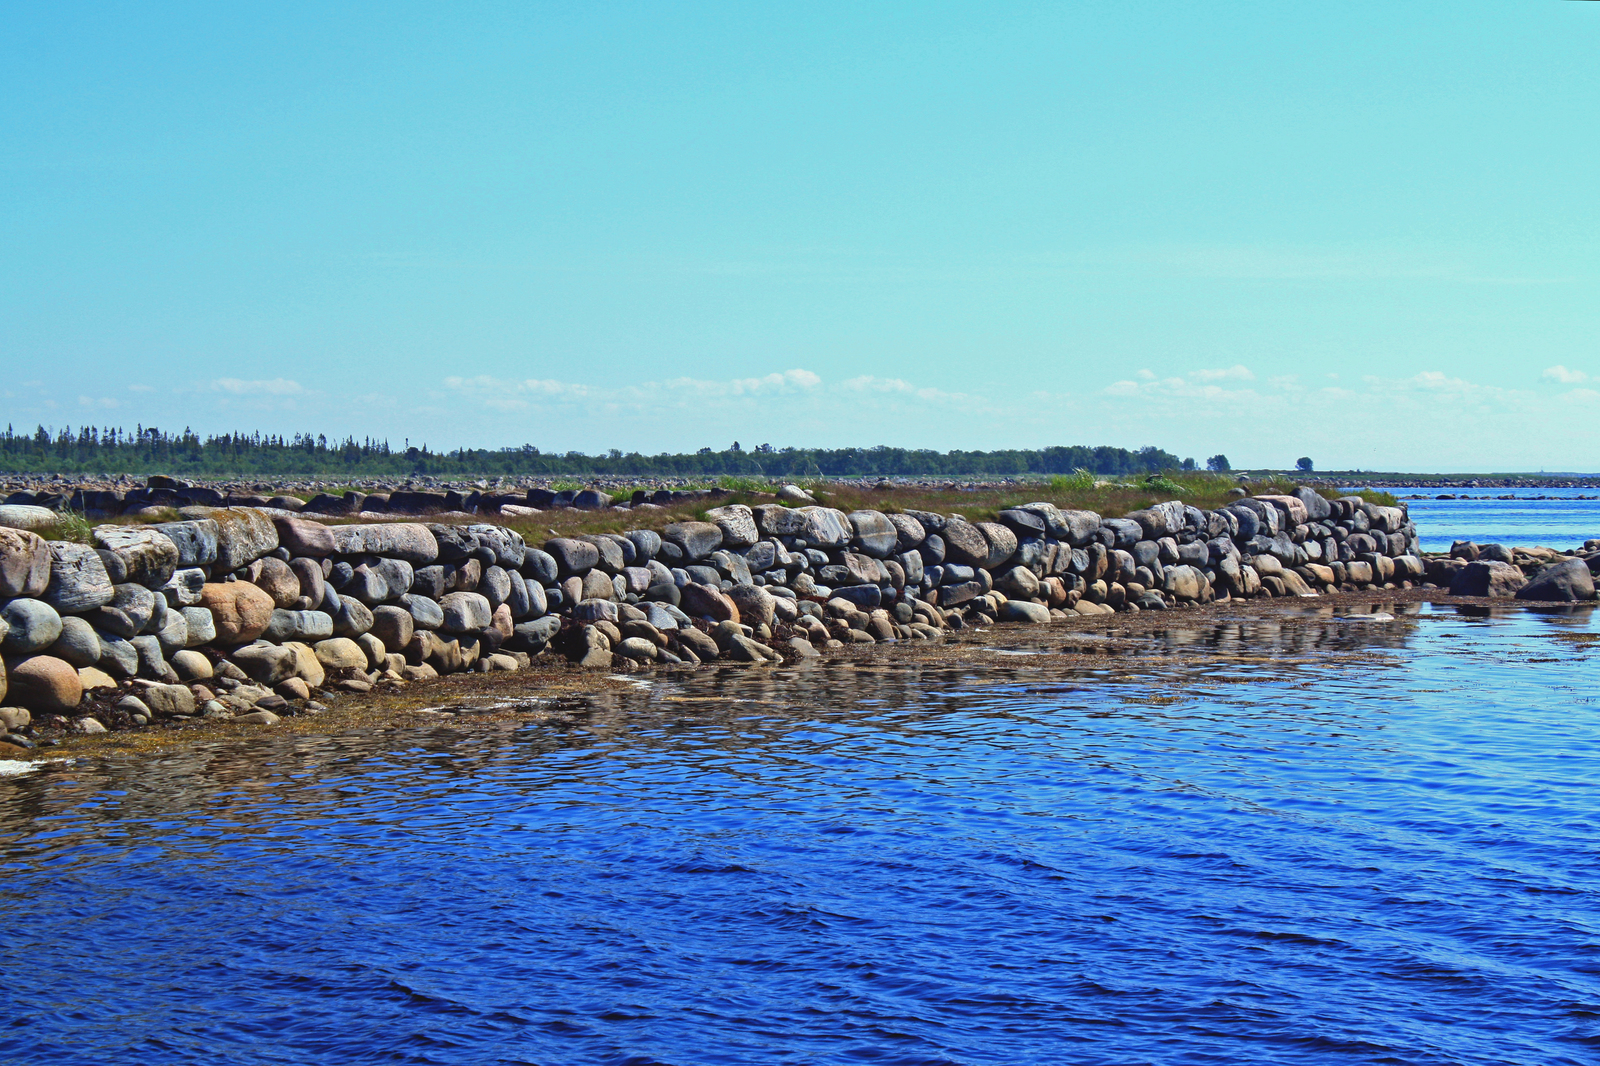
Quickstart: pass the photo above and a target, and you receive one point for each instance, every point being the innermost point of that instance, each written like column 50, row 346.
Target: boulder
column 91, row 678
column 265, row 664
column 118, row 656
column 78, row 643
column 1487, row 578
column 130, row 612
column 167, row 700
column 183, row 590
column 910, row 532
column 394, row 625
column 1317, row 508
column 43, row 684
column 703, row 601
column 738, row 525
column 78, row 579
column 1565, row 582
column 171, row 631
column 1002, row 543
column 195, row 541
column 756, row 606
column 191, row 665
column 826, row 527
column 572, row 556
column 1018, row 583
column 1024, row 611
column 31, row 626
column 777, row 521
column 425, row 613
column 240, row 612
column 638, row 649
column 351, row 617
column 965, row 542
column 136, row 554
column 1184, row 582
column 409, row 541
column 304, row 626
column 303, row 537
column 24, row 563
column 244, row 534
column 341, row 653
column 277, row 580
column 27, row 516
column 695, row 539
column 465, row 612
column 874, row 534
column 590, row 648
column 202, row 625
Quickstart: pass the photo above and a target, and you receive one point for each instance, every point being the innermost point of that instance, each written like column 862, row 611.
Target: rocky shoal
column 251, row 613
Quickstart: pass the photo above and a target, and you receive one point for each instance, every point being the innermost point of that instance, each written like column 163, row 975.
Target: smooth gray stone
column 173, row 633
column 78, row 643
column 425, row 613
column 32, row 626
column 300, row 625
column 118, row 656
column 351, row 618
column 541, row 566
column 129, row 613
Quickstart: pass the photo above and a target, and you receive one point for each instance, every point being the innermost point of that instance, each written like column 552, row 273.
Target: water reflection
column 1364, row 835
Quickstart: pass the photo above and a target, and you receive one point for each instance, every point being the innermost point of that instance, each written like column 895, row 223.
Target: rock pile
column 249, row 612
column 1495, row 570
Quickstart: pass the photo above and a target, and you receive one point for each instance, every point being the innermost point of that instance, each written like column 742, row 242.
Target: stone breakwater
column 250, row 613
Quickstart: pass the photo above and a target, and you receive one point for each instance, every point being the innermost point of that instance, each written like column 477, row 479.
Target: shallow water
column 1340, row 840
column 1560, row 521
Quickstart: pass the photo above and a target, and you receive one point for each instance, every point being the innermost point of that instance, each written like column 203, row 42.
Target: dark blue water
column 1561, row 520
column 1308, row 840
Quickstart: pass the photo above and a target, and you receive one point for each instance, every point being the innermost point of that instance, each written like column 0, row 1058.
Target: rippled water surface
column 1560, row 520
column 1317, row 840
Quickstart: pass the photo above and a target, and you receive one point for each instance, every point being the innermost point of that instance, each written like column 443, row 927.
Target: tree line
column 150, row 450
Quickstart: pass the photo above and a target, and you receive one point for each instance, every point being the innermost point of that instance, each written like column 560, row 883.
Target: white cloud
column 102, row 402
column 1561, row 374
column 1232, row 373
column 262, row 387
column 141, row 388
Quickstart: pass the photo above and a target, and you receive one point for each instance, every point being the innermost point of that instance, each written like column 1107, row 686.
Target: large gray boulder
column 130, row 612
column 27, row 516
column 738, row 525
column 465, row 612
column 695, row 539
column 411, row 541
column 1568, row 581
column 826, row 527
column 304, row 626
column 425, row 613
column 1002, row 543
column 202, row 625
column 31, row 626
column 965, row 542
column 875, row 535
column 78, row 643
column 78, row 579
column 910, row 532
column 1317, row 508
column 195, row 540
column 24, row 563
column 574, row 556
column 184, row 588
column 775, row 520
column 1489, row 579
column 244, row 534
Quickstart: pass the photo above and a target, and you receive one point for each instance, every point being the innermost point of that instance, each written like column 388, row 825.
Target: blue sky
column 1365, row 232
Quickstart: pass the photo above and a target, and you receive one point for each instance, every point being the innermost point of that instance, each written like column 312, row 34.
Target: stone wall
column 248, row 612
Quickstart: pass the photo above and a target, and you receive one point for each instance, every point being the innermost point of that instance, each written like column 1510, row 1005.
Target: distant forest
column 149, row 450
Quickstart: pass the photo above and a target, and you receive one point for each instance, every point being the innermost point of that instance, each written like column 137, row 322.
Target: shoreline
column 559, row 691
